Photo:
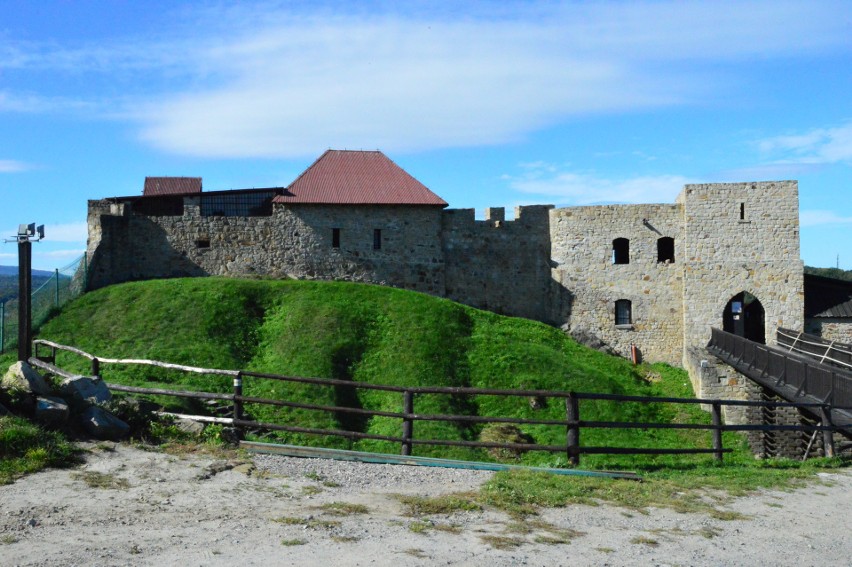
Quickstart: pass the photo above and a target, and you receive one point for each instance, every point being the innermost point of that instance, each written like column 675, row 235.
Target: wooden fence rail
column 573, row 424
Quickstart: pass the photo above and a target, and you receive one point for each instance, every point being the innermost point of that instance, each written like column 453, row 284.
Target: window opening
column 236, row 204
column 377, row 239
column 621, row 251
column 159, row 206
column 742, row 211
column 202, row 243
column 623, row 312
column 335, row 238
column 665, row 250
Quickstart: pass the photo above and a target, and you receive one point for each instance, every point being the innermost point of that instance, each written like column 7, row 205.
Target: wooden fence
column 573, row 424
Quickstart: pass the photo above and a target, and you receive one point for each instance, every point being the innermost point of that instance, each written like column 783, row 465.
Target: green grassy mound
column 370, row 334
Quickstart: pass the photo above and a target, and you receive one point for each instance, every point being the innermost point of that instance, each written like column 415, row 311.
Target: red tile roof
column 347, row 177
column 171, row 186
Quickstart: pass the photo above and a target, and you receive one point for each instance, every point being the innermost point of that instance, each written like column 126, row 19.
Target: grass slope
column 368, row 334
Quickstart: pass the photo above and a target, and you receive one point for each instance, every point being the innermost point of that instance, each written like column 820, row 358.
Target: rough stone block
column 22, row 377
column 101, row 424
column 85, row 390
column 51, row 411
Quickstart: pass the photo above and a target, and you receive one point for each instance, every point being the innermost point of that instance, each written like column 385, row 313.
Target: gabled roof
column 827, row 297
column 347, row 177
column 171, row 186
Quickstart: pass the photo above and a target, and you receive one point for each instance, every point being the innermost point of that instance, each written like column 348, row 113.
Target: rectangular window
column 742, row 211
column 377, row 239
column 335, row 238
column 202, row 243
column 623, row 309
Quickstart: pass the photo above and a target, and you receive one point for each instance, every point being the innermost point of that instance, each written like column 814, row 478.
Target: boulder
column 101, row 424
column 22, row 378
column 85, row 390
column 51, row 411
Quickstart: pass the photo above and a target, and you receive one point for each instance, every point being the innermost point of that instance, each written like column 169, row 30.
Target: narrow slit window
column 377, row 239
column 742, row 211
column 621, row 251
column 665, row 250
column 335, row 238
column 623, row 312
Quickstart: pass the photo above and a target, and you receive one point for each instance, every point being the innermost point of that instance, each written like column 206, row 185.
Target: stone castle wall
column 741, row 237
column 582, row 253
column 295, row 241
column 499, row 265
column 831, row 329
column 552, row 265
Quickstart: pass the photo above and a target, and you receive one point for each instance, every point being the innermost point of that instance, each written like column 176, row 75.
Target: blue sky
column 487, row 103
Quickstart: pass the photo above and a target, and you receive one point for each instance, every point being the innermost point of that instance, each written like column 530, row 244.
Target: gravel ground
column 128, row 506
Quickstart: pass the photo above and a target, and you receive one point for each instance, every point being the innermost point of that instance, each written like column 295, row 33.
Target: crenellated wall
column 499, row 265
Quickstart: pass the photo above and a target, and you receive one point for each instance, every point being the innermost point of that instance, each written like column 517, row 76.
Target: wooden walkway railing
column 572, row 424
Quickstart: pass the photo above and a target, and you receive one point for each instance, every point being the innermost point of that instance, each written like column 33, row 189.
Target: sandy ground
column 150, row 508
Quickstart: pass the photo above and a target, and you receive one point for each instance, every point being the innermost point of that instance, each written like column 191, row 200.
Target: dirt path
column 128, row 506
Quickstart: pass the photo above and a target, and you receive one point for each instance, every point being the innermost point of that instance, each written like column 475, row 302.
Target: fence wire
column 65, row 284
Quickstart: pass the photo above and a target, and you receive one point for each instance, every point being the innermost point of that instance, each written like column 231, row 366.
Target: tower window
column 623, row 312
column 621, row 251
column 335, row 238
column 665, row 250
column 377, row 239
column 742, row 211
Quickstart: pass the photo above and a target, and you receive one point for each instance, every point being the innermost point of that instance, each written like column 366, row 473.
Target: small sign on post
column 27, row 234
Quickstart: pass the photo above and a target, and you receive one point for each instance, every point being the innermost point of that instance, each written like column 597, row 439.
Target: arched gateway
column 744, row 316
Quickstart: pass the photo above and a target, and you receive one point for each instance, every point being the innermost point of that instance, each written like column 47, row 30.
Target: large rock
column 85, row 390
column 101, row 424
column 22, row 378
column 51, row 411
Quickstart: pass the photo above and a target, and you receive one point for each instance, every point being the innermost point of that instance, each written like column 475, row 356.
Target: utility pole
column 26, row 234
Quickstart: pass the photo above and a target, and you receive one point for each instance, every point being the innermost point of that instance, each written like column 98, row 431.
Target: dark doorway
column 744, row 316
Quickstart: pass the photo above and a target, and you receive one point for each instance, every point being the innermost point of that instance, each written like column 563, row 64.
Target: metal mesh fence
column 66, row 283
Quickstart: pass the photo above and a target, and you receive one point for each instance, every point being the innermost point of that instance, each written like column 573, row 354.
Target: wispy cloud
column 14, row 166
column 821, row 218
column 283, row 81
column 583, row 188
column 816, row 146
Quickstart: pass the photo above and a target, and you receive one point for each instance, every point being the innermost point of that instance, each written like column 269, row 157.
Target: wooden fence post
column 572, row 413
column 827, row 434
column 238, row 404
column 716, row 412
column 407, row 423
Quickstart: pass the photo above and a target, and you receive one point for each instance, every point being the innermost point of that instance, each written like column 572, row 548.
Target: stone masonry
column 656, row 277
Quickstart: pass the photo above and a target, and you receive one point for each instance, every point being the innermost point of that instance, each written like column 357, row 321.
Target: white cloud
column 816, row 146
column 13, row 166
column 571, row 188
column 822, row 217
column 284, row 81
column 70, row 232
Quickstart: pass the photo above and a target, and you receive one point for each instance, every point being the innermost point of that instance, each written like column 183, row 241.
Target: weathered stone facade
column 654, row 276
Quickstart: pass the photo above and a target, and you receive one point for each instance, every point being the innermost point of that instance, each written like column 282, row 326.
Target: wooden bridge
column 801, row 369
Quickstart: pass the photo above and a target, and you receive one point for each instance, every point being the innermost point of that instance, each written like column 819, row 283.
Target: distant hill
column 13, row 271
column 834, row 273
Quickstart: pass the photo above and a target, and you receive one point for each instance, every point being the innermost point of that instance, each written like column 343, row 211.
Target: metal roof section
column 827, row 297
column 350, row 177
column 156, row 186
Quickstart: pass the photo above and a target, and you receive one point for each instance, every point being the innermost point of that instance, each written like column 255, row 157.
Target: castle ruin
column 654, row 277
